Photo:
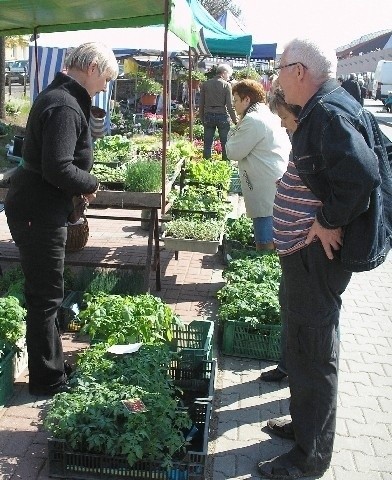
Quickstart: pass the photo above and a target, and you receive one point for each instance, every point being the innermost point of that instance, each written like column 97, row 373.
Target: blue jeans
column 211, row 122
column 310, row 298
column 42, row 252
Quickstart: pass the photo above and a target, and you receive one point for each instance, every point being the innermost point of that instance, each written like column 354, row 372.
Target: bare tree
column 217, row 7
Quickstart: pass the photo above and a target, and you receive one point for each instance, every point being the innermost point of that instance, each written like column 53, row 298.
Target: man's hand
column 330, row 239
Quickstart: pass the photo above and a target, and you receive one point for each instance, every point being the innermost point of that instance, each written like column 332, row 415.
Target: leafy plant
column 246, row 73
column 263, row 268
column 240, row 230
column 94, row 417
column 12, row 325
column 208, row 230
column 201, row 199
column 213, row 172
column 143, row 176
column 147, row 85
column 127, row 319
column 4, row 129
column 198, row 75
column 112, row 148
column 249, row 302
column 109, row 281
column 105, row 173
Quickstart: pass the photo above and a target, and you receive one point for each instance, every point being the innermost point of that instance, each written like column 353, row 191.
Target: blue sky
column 337, row 22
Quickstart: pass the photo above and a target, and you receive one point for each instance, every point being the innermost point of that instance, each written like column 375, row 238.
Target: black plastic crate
column 67, row 463
column 196, row 382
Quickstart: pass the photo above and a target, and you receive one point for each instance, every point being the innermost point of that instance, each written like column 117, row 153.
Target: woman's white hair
column 87, row 53
column 320, row 60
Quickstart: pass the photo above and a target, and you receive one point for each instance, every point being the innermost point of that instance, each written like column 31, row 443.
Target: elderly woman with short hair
column 261, row 147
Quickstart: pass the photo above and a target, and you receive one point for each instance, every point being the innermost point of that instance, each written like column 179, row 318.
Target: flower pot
column 148, row 99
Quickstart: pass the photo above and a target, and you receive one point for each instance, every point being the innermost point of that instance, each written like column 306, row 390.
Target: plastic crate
column 196, row 382
column 242, row 340
column 235, row 184
column 67, row 463
column 193, row 342
column 20, row 360
column 6, row 376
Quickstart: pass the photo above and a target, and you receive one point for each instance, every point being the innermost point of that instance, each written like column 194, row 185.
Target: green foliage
column 143, row 176
column 202, row 199
column 93, row 417
column 249, row 302
column 105, row 173
column 104, row 280
column 209, row 230
column 240, row 230
column 213, row 172
column 12, row 325
column 246, row 73
column 127, row 319
column 4, row 128
column 147, row 85
column 251, row 293
column 112, row 148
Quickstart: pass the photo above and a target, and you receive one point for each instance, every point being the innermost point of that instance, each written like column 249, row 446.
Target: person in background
column 261, row 147
column 363, row 91
column 352, row 87
column 288, row 115
column 346, row 227
column 216, row 108
column 57, row 157
column 340, row 80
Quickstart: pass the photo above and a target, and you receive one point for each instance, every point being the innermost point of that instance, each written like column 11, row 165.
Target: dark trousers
column 310, row 295
column 211, row 122
column 42, row 252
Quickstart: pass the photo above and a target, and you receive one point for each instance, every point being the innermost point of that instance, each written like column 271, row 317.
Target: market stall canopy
column 220, row 41
column 122, row 40
column 24, row 17
column 264, row 51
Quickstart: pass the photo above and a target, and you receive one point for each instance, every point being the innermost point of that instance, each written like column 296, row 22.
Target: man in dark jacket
column 352, row 87
column 57, row 158
column 339, row 154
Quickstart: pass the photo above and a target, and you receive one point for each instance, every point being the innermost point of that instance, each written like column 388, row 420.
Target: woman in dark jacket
column 57, row 158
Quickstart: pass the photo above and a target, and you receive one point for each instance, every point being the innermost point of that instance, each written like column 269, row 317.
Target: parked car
column 382, row 82
column 17, row 71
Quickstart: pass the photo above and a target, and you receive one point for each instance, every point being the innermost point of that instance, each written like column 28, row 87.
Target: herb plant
column 112, row 148
column 240, row 230
column 208, row 230
column 143, row 176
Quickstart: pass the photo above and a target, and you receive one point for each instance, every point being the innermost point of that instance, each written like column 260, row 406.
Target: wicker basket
column 77, row 236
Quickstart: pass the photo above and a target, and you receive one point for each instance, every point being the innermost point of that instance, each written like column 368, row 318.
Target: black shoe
column 282, row 468
column 281, row 428
column 275, row 375
column 68, row 370
column 48, row 390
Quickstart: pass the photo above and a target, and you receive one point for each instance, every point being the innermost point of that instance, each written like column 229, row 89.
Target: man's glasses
column 289, row 65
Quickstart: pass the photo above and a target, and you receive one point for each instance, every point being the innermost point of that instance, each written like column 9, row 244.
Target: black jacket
column 57, row 152
column 353, row 88
column 341, row 157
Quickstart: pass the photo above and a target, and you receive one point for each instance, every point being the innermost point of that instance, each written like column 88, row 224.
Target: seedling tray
column 242, row 340
column 65, row 462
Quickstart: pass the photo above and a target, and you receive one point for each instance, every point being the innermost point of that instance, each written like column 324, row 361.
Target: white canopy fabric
column 150, row 38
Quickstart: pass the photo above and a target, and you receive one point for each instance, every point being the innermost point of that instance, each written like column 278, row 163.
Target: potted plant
column 193, row 235
column 246, row 73
column 196, row 78
column 148, row 88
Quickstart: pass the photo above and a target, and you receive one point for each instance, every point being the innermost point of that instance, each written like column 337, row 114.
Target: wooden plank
column 119, row 199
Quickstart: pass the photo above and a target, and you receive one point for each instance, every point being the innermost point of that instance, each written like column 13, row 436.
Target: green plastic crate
column 6, row 376
column 242, row 340
column 235, row 184
column 193, row 342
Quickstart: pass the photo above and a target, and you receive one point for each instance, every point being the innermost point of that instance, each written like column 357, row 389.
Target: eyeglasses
column 290, row 65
